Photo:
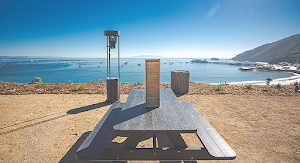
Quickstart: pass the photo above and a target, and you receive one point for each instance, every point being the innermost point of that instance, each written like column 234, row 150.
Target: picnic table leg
column 154, row 141
column 132, row 140
column 177, row 140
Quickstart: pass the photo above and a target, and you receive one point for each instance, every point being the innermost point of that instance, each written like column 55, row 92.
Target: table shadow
column 70, row 155
column 87, row 108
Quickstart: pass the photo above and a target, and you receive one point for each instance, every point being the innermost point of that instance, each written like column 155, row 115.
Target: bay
column 132, row 70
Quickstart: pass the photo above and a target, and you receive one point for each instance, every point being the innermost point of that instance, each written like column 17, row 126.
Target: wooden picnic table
column 172, row 118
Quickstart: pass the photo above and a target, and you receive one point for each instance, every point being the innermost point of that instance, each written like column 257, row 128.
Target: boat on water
column 199, row 60
column 214, row 59
column 246, row 68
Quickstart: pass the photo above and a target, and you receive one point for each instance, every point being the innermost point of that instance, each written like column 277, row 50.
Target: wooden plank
column 152, row 98
column 153, row 74
column 185, row 116
column 171, row 95
column 136, row 112
column 154, row 91
column 154, row 83
column 131, row 113
column 152, row 80
column 152, row 104
column 150, row 95
column 152, row 65
column 160, row 119
column 125, row 115
column 153, row 62
column 167, row 107
column 207, row 141
column 152, row 71
column 209, row 137
column 95, row 143
column 147, row 120
column 152, row 87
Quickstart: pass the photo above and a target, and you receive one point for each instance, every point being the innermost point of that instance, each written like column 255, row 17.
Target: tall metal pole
column 109, row 64
column 119, row 56
column 107, row 55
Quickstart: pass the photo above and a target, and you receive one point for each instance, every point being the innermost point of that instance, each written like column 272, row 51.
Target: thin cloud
column 212, row 12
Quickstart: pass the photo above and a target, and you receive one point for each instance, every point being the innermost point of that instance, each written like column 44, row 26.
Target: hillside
column 285, row 50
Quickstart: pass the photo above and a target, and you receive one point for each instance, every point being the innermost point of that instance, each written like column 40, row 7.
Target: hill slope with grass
column 284, row 50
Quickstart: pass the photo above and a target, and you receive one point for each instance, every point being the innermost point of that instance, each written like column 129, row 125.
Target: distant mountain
column 285, row 50
column 22, row 57
column 147, row 56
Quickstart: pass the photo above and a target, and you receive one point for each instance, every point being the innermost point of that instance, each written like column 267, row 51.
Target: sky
column 156, row 28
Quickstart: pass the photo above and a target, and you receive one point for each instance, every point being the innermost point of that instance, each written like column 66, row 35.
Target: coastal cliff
column 284, row 50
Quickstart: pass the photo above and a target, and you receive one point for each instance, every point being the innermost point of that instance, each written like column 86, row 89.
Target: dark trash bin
column 180, row 81
column 113, row 90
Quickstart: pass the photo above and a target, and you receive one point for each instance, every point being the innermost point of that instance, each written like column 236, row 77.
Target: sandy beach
column 260, row 124
column 282, row 81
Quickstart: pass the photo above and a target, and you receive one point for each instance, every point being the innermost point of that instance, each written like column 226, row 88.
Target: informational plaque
column 152, row 78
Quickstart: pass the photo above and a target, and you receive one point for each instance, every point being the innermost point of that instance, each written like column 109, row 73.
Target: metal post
column 154, row 141
column 109, row 64
column 119, row 57
column 107, row 54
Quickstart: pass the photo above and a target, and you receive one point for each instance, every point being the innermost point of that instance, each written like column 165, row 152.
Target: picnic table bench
column 171, row 118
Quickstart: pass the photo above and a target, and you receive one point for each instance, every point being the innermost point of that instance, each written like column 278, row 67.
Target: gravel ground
column 194, row 88
column 50, row 121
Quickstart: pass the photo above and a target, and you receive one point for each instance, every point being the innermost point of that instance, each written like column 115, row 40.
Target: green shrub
column 278, row 85
column 69, row 82
column 139, row 83
column 268, row 80
column 100, row 81
column 219, row 88
column 248, row 86
column 93, row 81
column 38, row 80
column 81, row 87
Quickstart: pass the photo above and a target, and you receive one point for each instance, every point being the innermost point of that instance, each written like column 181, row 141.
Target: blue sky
column 164, row 28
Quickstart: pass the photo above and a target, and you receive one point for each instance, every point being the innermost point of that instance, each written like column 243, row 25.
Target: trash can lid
column 183, row 71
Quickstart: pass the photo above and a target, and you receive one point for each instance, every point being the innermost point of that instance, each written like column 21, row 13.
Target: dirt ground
column 50, row 127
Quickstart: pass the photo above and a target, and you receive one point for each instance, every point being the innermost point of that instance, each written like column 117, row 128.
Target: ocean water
column 86, row 70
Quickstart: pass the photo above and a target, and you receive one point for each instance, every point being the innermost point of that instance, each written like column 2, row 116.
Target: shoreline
column 282, row 81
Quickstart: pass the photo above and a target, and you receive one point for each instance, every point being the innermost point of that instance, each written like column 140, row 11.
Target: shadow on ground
column 87, row 108
column 50, row 117
column 70, row 155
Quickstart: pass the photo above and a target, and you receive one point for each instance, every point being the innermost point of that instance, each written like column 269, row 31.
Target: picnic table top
column 170, row 117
